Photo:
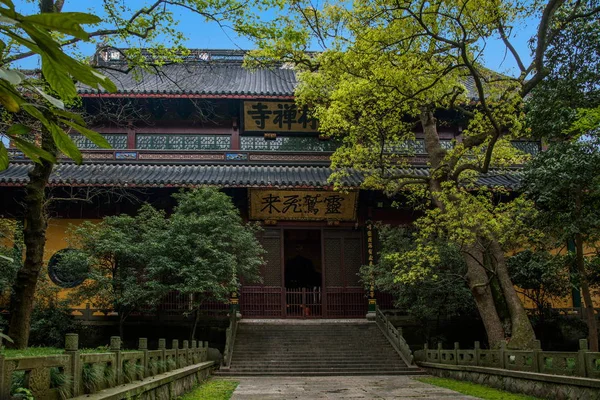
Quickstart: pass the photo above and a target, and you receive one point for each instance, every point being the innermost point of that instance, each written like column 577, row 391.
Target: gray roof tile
column 219, row 175
column 194, row 78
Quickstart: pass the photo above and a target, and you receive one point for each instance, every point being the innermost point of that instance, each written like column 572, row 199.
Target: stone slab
column 340, row 387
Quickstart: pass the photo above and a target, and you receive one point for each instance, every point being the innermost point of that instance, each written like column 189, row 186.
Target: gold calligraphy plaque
column 272, row 116
column 311, row 205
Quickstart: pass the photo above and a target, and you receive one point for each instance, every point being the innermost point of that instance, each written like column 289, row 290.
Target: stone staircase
column 314, row 347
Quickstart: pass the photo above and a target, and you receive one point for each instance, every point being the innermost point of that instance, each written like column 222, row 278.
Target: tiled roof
column 194, row 78
column 188, row 175
column 205, row 73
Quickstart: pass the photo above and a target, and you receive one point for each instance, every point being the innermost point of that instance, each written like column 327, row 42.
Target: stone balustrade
column 79, row 372
column 582, row 363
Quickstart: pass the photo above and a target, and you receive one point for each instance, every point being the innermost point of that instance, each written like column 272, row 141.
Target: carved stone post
column 439, row 352
column 162, row 345
column 72, row 350
column 582, row 357
column 502, row 352
column 143, row 346
column 194, row 351
column 175, row 346
column 477, row 348
column 456, row 348
column 115, row 347
column 186, row 352
column 537, row 352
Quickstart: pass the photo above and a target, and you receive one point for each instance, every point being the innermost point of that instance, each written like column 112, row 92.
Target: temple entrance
column 303, row 272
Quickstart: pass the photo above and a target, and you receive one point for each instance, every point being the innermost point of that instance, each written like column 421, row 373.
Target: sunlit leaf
column 31, row 150
column 18, row 129
column 3, row 156
column 65, row 144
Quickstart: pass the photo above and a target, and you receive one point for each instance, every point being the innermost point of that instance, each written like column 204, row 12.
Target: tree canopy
column 201, row 251
column 394, row 70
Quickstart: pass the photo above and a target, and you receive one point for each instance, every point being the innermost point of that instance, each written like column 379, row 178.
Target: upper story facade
column 209, row 109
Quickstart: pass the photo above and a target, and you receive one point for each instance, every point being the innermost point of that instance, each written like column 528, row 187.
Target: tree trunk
column 522, row 334
column 587, row 296
column 34, row 238
column 476, row 275
column 478, row 281
column 195, row 325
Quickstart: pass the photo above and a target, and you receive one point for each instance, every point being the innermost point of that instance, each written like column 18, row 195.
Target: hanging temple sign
column 307, row 205
column 274, row 116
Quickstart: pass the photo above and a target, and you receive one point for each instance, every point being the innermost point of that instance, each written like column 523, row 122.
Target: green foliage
column 132, row 370
column 11, row 252
column 171, row 364
column 202, row 249
column 564, row 183
column 212, row 390
column 22, row 393
column 206, row 248
column 18, row 93
column 440, row 293
column 540, row 276
column 475, row 390
column 92, row 377
column 571, row 87
column 61, row 381
column 32, row 351
column 50, row 323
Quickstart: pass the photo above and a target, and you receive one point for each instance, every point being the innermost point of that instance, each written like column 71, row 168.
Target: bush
column 50, row 324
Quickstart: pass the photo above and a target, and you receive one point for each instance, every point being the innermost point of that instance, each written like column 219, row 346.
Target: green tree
column 440, row 294
column 206, row 249
column 541, row 277
column 118, row 254
column 46, row 127
column 564, row 183
column 391, row 68
column 201, row 252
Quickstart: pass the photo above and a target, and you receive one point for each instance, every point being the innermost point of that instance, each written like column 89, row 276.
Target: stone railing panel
column 466, row 357
column 518, row 360
column 490, row 358
column 36, row 372
column 395, row 336
column 558, row 363
column 582, row 363
column 592, row 364
column 88, row 373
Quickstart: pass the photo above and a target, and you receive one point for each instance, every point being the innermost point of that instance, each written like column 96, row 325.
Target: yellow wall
column 57, row 239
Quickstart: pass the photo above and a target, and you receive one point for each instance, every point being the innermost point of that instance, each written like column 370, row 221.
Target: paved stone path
column 339, row 387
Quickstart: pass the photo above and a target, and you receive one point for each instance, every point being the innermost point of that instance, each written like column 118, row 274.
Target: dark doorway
column 302, row 252
column 303, row 272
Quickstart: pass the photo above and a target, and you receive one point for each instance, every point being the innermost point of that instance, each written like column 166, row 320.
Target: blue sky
column 208, row 35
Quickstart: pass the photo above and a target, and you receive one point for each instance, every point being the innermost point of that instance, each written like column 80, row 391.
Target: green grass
column 472, row 389
column 33, row 352
column 212, row 390
column 50, row 351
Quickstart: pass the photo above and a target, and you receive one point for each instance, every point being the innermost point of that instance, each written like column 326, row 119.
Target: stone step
column 320, row 373
column 314, row 350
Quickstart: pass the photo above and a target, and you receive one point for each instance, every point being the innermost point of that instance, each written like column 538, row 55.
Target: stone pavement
column 339, row 387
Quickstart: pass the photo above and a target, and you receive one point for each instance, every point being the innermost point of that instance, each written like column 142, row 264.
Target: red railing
column 303, row 303
column 346, row 302
column 257, row 302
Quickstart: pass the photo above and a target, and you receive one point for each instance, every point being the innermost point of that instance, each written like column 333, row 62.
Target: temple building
column 209, row 121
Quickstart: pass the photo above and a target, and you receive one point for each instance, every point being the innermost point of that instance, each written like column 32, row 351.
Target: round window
column 68, row 268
